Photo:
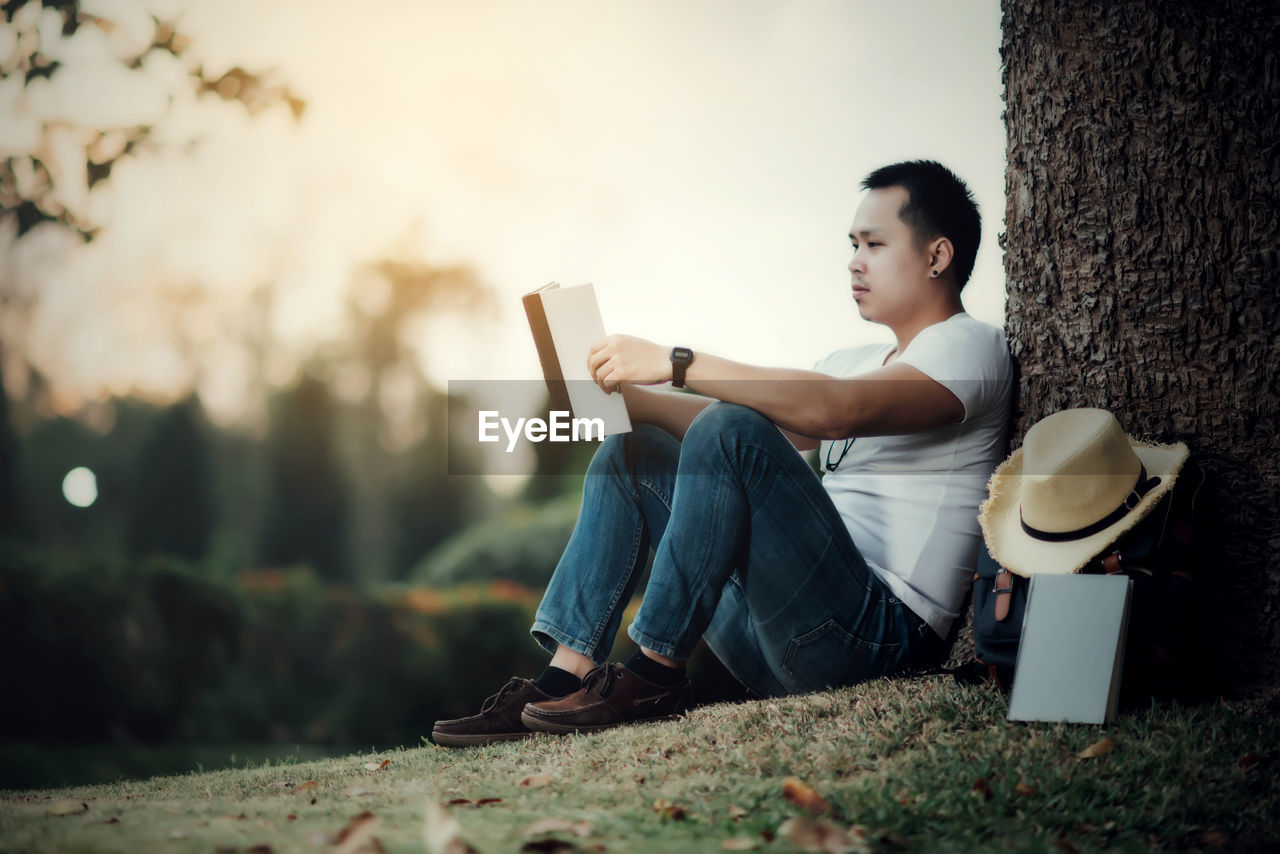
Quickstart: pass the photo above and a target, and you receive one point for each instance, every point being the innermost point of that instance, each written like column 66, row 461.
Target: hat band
column 1132, row 500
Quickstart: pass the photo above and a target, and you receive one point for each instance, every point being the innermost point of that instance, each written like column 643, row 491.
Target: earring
column 934, row 274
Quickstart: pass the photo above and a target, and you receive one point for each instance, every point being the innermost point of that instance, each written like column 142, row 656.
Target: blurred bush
column 523, row 543
column 104, row 649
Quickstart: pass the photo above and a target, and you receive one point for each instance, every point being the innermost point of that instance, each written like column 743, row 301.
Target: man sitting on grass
column 796, row 583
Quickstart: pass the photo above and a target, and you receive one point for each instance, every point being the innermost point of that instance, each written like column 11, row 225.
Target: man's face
column 890, row 271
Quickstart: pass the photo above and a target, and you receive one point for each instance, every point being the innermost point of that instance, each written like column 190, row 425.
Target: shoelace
column 605, row 674
column 513, row 684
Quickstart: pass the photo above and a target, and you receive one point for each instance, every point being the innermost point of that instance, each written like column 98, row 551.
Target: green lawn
column 915, row 764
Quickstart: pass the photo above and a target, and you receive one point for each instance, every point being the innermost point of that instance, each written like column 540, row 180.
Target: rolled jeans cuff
column 660, row 647
column 548, row 637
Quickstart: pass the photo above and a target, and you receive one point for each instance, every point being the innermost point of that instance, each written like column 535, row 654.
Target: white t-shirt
column 911, row 502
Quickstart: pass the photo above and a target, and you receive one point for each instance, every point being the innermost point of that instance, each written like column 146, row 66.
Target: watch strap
column 681, row 358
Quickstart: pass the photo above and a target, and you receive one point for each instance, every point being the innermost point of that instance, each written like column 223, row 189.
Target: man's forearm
column 803, row 403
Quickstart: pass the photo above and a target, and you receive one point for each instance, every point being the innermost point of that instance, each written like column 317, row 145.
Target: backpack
column 1158, row 555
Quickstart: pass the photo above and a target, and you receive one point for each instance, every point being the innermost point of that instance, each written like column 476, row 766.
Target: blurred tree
column 9, row 507
column 397, row 431
column 33, row 178
column 306, row 517
column 559, row 467
column 106, row 439
column 51, row 161
column 429, row 504
column 172, row 510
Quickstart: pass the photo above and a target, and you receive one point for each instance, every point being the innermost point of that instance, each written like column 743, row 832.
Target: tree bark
column 1142, row 226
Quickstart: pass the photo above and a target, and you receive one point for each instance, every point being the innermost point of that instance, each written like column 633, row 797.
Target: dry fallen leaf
column 1098, row 748
column 1065, row 846
column 536, row 781
column 484, row 802
column 307, row 786
column 66, row 808
column 441, row 832
column 735, row 812
column 666, row 809
column 817, row 834
column 376, row 766
column 457, row 802
column 981, row 788
column 357, row 834
column 803, row 796
column 740, row 843
column 1026, row 789
column 1213, row 839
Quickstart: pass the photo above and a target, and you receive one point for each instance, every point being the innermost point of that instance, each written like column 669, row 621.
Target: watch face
column 682, row 354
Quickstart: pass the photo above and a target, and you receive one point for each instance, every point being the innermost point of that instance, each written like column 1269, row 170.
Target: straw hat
column 1076, row 484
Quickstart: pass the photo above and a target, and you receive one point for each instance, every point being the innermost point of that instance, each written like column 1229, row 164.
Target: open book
column 565, row 323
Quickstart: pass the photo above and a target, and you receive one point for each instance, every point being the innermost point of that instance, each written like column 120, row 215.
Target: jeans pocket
column 829, row 656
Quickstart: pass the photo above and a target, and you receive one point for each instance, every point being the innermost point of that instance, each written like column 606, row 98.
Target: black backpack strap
column 1003, row 588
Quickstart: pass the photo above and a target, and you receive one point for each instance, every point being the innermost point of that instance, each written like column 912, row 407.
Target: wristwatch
column 681, row 358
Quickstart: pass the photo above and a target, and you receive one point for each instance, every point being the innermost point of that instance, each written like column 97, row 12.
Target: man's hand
column 617, row 359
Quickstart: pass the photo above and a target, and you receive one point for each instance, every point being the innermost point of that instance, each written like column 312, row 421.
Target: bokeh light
column 80, row 487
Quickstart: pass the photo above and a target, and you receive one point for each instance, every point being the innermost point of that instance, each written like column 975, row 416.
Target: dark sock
column 555, row 682
column 654, row 671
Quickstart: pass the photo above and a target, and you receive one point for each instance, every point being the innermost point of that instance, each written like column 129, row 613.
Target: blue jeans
column 750, row 554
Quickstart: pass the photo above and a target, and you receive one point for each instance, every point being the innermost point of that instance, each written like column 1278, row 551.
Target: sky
column 697, row 161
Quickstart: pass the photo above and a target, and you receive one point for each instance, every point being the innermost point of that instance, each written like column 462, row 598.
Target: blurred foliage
column 320, row 488
column 173, row 508
column 102, row 650
column 523, row 543
column 306, row 516
column 105, row 649
column 29, row 180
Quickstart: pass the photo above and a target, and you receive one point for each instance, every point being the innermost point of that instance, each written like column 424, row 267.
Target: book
column 1072, row 650
column 565, row 323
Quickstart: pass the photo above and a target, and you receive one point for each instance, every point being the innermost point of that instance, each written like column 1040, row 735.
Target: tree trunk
column 1142, row 226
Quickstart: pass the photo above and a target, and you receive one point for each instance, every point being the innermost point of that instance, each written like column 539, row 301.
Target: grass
column 908, row 764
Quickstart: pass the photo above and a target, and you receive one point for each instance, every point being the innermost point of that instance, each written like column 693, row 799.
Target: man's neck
column 906, row 332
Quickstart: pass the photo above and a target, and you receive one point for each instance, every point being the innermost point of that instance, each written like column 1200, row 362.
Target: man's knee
column 722, row 419
column 644, row 447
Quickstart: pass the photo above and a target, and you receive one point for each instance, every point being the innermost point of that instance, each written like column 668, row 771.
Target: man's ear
column 941, row 254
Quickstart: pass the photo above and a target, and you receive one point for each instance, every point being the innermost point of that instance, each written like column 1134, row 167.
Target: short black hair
column 938, row 204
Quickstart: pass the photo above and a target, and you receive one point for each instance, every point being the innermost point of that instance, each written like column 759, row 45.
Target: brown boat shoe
column 611, row 695
column 499, row 718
